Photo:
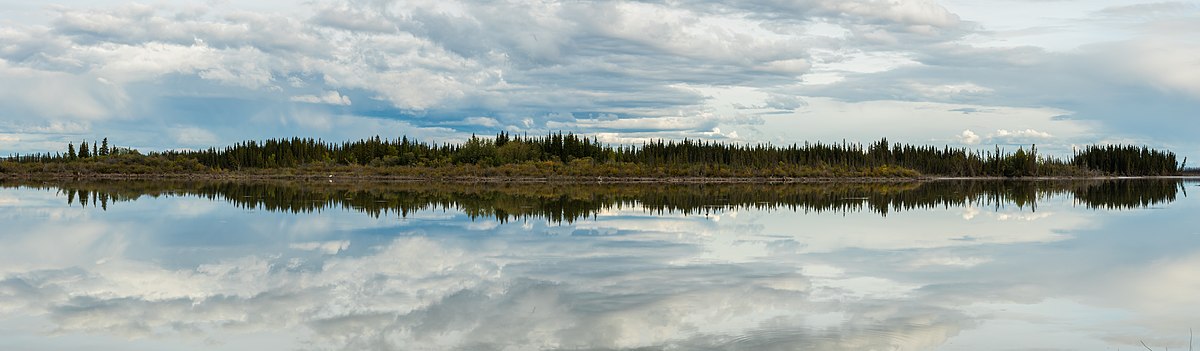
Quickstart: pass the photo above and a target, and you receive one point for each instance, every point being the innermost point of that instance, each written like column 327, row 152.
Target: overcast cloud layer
column 195, row 74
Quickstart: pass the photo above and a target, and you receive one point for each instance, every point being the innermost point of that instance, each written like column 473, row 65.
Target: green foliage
column 1127, row 160
column 475, row 151
column 1019, row 164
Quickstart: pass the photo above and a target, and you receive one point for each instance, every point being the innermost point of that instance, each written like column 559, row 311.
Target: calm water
column 1096, row 265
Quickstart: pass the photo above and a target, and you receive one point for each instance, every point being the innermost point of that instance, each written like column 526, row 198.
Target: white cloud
column 784, row 102
column 968, row 137
column 914, row 13
column 30, row 93
column 91, row 242
column 482, row 122
column 331, row 97
column 621, row 138
column 57, row 127
column 193, row 136
column 326, row 247
column 680, row 31
column 1023, row 216
column 793, row 66
column 353, row 18
column 652, row 281
column 944, row 90
column 437, row 64
column 1167, row 64
column 969, row 212
column 1139, row 11
column 673, row 123
column 948, row 261
column 1027, row 133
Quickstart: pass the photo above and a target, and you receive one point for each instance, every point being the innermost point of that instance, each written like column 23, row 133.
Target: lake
column 942, row 265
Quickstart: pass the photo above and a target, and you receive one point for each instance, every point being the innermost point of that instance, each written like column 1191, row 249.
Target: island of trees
column 560, row 155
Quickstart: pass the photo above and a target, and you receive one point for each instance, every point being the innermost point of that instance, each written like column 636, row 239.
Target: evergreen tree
column 83, row 150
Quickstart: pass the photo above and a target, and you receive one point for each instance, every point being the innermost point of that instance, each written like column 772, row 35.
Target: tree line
column 73, row 153
column 657, row 157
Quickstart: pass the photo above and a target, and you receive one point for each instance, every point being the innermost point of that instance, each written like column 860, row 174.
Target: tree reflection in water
column 559, row 203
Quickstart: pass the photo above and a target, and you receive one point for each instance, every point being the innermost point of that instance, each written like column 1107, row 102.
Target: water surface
column 948, row 265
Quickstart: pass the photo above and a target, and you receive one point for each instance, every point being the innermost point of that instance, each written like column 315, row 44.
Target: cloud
column 1164, row 63
column 1028, row 133
column 195, row 136
column 416, row 60
column 326, row 247
column 917, row 13
column 793, row 66
column 1167, row 8
column 784, row 102
column 656, row 124
column 345, row 280
column 36, row 93
column 330, row 97
column 342, row 15
column 968, row 137
column 949, row 89
column 432, row 65
column 1003, row 136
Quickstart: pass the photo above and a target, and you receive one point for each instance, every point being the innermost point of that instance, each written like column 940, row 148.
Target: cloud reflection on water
column 761, row 279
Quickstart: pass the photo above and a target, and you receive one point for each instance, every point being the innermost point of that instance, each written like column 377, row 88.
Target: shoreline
column 356, row 178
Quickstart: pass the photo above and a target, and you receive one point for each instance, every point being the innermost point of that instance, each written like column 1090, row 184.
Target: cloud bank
column 434, row 69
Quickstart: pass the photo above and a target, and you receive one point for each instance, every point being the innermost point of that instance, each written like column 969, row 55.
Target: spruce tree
column 83, row 150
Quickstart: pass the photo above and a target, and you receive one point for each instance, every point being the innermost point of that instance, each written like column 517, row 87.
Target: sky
column 980, row 74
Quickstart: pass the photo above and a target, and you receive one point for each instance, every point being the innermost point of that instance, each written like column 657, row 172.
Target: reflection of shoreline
column 568, row 202
column 558, row 179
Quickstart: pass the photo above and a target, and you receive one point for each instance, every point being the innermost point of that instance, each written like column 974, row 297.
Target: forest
column 571, row 155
